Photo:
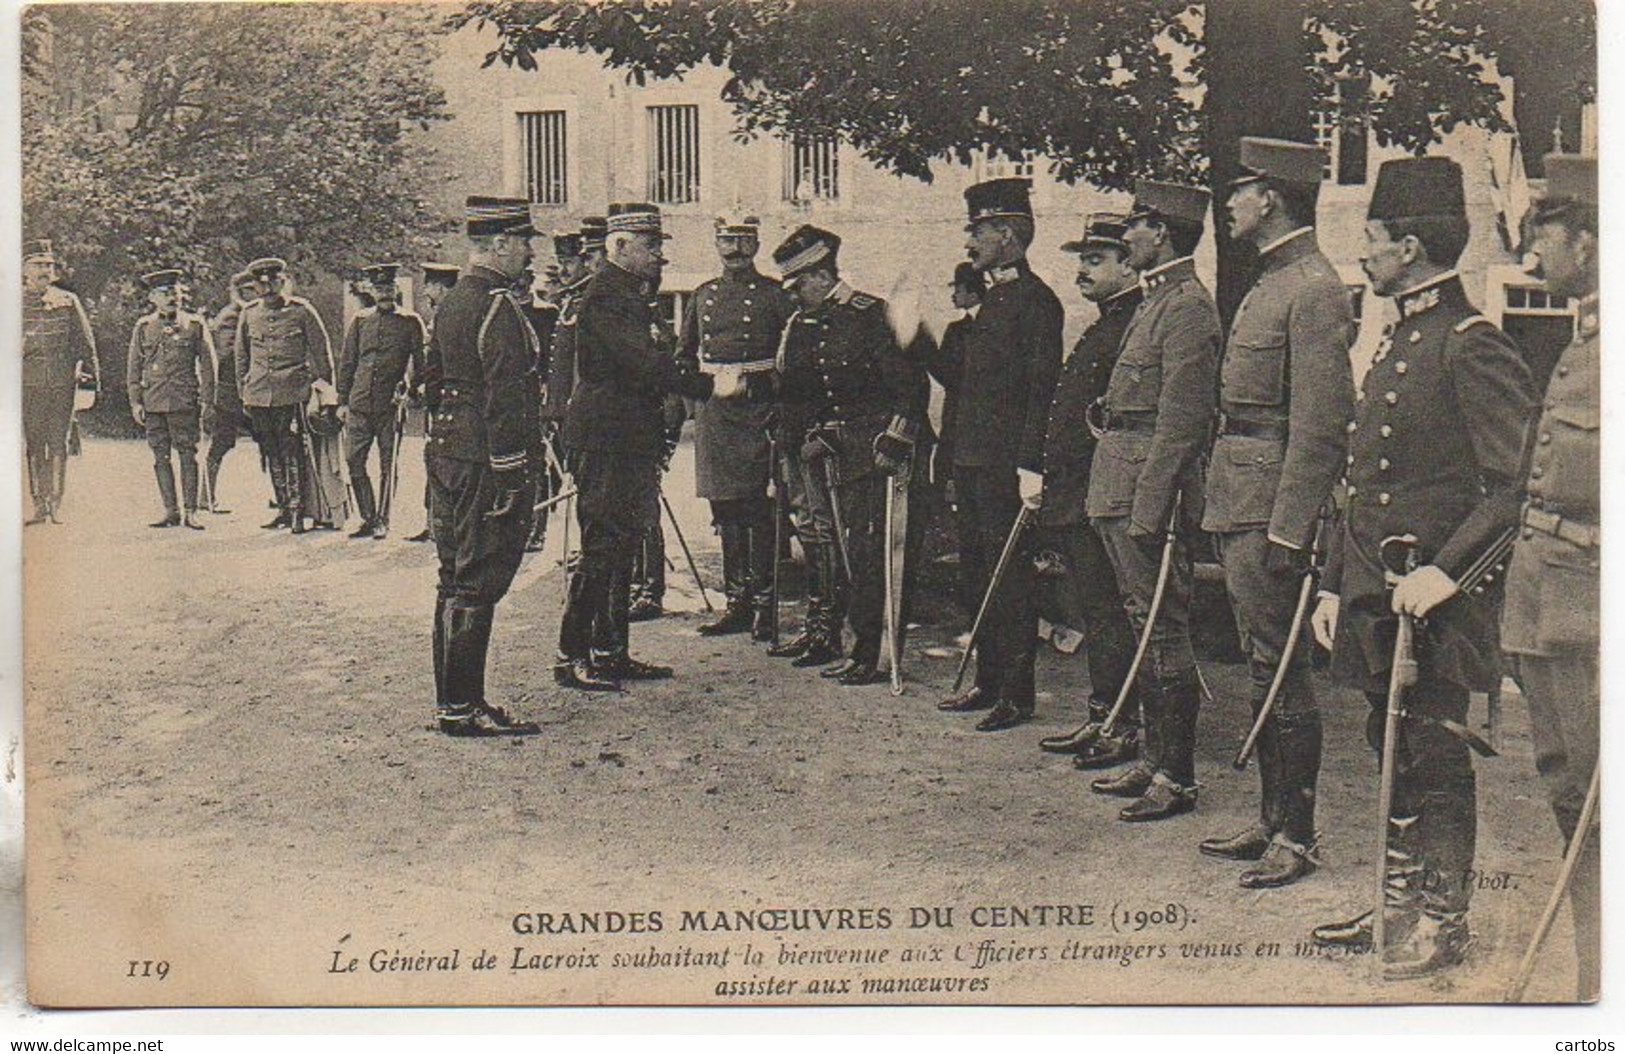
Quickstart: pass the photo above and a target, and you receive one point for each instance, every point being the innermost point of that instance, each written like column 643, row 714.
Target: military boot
column 1402, row 898
column 797, row 646
column 294, row 467
column 1445, row 835
column 1295, row 751
column 764, row 604
column 1075, row 741
column 365, row 505
column 736, row 617
column 278, row 469
column 1253, row 842
column 166, row 489
column 212, row 467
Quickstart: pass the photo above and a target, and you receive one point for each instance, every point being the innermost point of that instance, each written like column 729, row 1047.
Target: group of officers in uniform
column 1443, row 501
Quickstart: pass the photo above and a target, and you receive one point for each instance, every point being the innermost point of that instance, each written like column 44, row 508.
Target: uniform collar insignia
column 1424, row 296
column 1165, row 273
column 1589, row 316
column 1001, row 275
column 839, row 293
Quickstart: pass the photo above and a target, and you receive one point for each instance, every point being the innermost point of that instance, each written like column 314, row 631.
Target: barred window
column 1342, row 131
column 546, row 157
column 998, row 166
column 674, row 154
column 812, row 169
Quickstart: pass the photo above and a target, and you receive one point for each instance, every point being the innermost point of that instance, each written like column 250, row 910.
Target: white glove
column 1422, row 590
column 1032, row 487
column 1324, row 620
column 726, row 384
column 139, row 412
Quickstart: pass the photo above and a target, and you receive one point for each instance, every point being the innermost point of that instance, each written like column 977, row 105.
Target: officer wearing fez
column 1550, row 622
column 378, row 349
column 59, row 357
column 281, row 348
column 1285, row 392
column 1145, row 478
column 481, row 397
column 732, row 324
column 1087, row 586
column 169, row 375
column 842, row 373
column 614, row 430
column 1002, row 389
column 1434, row 454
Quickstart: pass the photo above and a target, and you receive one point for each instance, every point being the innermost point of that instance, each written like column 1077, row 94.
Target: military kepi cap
column 1571, row 182
column 1171, row 201
column 635, row 217
column 995, row 199
column 1279, row 159
column 1101, row 230
column 441, row 273
column 485, row 217
column 267, row 267
column 593, row 230
column 738, row 226
column 164, row 278
column 1409, row 187
column 806, row 247
column 39, row 249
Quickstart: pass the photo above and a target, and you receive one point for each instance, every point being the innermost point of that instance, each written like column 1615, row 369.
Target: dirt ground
column 230, row 771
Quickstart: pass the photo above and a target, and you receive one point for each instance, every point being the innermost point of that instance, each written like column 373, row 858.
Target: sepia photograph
column 758, row 503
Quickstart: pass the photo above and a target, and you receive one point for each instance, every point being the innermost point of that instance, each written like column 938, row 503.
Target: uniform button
column 1384, row 498
column 1359, row 396
column 1353, row 491
column 1528, row 532
column 1390, row 397
column 1562, row 371
column 706, row 318
column 1545, row 438
column 1415, row 337
column 747, row 299
column 1352, row 425
column 1384, row 464
column 1536, row 472
column 1401, row 366
column 1351, row 459
column 1386, row 430
column 744, row 318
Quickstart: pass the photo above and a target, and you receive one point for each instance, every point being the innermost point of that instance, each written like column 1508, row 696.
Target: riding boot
column 166, row 490
column 440, row 651
column 612, row 632
column 736, row 618
column 1297, row 757
column 1269, row 771
column 759, row 541
column 465, row 644
column 293, row 467
column 212, row 467
column 797, row 646
column 824, row 621
column 365, row 504
column 1181, row 701
column 189, row 482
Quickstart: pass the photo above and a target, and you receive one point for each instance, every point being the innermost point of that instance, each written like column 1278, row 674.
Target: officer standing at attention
column 614, row 430
column 1550, row 624
column 1087, row 585
column 169, row 375
column 1285, row 392
column 1005, row 384
column 379, row 347
column 281, row 347
column 438, row 280
column 481, row 398
column 230, row 421
column 1155, row 419
column 1433, row 453
column 59, row 356
column 732, row 323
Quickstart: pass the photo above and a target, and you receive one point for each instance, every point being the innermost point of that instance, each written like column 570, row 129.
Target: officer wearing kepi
column 59, row 357
column 1285, row 393
column 169, row 375
column 1086, row 582
column 1155, row 419
column 481, row 398
column 732, row 323
column 1004, row 388
column 379, row 348
column 1550, row 624
column 1433, row 454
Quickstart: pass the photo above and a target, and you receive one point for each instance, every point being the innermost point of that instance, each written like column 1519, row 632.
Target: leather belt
column 1240, row 426
column 754, row 366
column 1546, row 521
column 1132, row 422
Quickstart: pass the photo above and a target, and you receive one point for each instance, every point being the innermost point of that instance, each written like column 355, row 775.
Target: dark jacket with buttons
column 1069, row 445
column 1159, row 404
column 378, row 348
column 281, row 348
column 733, row 321
column 1553, row 585
column 171, row 363
column 226, row 395
column 481, row 370
column 57, row 340
column 1285, row 392
column 1433, row 452
column 561, row 354
column 626, row 361
column 944, row 363
column 1003, row 374
column 843, row 372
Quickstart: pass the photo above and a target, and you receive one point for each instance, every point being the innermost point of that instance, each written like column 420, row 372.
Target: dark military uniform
column 481, row 397
column 59, row 353
column 281, row 348
column 842, row 366
column 614, row 429
column 561, row 356
column 170, row 375
column 1433, row 452
column 379, row 347
column 1082, row 591
column 1285, row 390
column 1004, row 382
column 1156, row 413
column 230, row 420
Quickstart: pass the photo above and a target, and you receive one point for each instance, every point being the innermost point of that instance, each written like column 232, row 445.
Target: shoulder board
column 301, row 302
column 408, row 314
column 1470, row 321
column 863, row 301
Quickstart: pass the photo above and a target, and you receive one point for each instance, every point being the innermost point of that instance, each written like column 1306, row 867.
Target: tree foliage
column 204, row 135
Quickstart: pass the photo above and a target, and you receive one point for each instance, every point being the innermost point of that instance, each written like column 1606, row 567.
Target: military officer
column 281, row 348
column 967, row 289
column 379, row 348
column 1146, row 474
column 481, row 394
column 1550, row 624
column 438, row 280
column 540, row 297
column 732, row 323
column 1087, row 585
column 1004, row 386
column 59, row 357
column 1285, row 392
column 865, row 400
column 614, row 430
column 230, row 421
column 1433, row 453
column 583, row 257
column 169, row 375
